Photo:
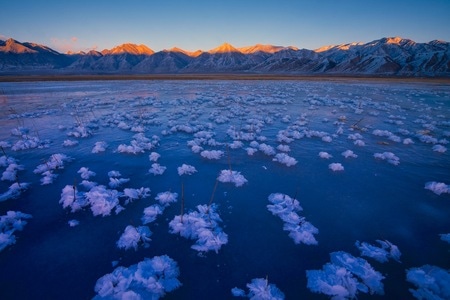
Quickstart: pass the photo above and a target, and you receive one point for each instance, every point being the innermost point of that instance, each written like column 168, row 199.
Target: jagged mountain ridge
column 392, row 56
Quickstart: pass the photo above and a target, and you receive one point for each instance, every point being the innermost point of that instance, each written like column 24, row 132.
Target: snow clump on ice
column 132, row 236
column 431, row 282
column 232, row 176
column 389, row 157
column 325, row 155
column 285, row 159
column 202, row 225
column 380, row 254
column 437, row 187
column 9, row 223
column 259, row 288
column 149, row 279
column 344, row 277
column 99, row 147
column 336, row 167
column 286, row 208
column 186, row 170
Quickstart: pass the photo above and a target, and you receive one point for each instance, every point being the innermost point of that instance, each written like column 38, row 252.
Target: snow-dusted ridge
column 390, row 56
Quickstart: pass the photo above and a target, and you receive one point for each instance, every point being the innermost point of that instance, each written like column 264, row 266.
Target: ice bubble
column 437, row 187
column 132, row 236
column 325, row 155
column 259, row 289
column 186, row 170
column 232, row 176
column 285, row 159
column 9, row 223
column 431, row 282
column 336, row 167
column 389, row 157
column 149, row 279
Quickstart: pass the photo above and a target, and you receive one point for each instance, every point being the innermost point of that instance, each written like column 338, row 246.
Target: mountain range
column 392, row 56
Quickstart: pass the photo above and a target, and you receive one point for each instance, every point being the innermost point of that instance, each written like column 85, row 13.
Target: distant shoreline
column 216, row 76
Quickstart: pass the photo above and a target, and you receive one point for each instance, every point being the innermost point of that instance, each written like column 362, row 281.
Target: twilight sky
column 205, row 24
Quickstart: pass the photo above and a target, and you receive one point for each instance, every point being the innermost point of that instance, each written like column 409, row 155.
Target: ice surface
column 431, row 282
column 9, row 223
column 285, row 207
column 256, row 127
column 149, row 279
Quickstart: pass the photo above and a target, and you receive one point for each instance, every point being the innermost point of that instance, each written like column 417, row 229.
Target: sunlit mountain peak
column 130, row 49
column 224, row 48
column 188, row 53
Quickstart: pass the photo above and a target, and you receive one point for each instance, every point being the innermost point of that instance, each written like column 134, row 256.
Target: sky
column 191, row 25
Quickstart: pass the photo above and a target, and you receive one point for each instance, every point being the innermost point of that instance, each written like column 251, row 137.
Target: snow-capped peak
column 224, row 48
column 130, row 49
column 264, row 48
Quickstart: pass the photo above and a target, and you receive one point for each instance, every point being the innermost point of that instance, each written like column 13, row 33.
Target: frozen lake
column 366, row 160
